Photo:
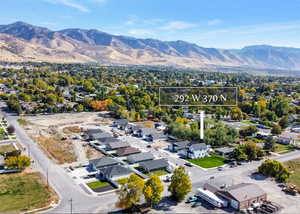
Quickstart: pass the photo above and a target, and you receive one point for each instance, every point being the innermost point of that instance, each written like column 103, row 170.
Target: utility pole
column 71, row 203
column 47, row 178
column 201, row 125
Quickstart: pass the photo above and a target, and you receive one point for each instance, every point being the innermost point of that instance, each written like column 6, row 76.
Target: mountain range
column 24, row 42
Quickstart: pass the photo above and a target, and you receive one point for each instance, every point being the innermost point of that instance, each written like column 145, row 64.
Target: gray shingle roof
column 245, row 191
column 146, row 156
column 117, row 145
column 198, row 146
column 110, row 172
column 154, row 164
column 103, row 162
column 121, row 122
column 107, row 140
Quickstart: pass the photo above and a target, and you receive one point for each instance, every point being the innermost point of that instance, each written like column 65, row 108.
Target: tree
column 269, row 144
column 276, row 130
column 10, row 129
column 130, row 192
column 284, row 122
column 17, row 162
column 275, row 169
column 236, row 113
column 239, row 153
column 79, row 108
column 248, row 131
column 153, row 189
column 180, row 184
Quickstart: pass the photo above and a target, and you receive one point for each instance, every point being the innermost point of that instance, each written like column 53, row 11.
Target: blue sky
column 208, row 23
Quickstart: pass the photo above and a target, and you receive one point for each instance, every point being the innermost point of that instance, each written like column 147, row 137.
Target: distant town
column 88, row 138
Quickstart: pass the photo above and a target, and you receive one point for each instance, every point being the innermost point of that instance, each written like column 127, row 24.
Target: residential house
column 114, row 172
column 161, row 126
column 225, row 151
column 292, row 118
column 96, row 134
column 99, row 163
column 116, row 145
column 199, row 150
column 156, row 137
column 127, row 151
column 107, row 140
column 141, row 157
column 285, row 140
column 121, row 124
column 242, row 196
column 177, row 146
column 154, row 165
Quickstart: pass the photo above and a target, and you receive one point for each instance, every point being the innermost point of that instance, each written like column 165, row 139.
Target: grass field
column 208, row 162
column 282, row 149
column 158, row 173
column 294, row 166
column 6, row 148
column 98, row 184
column 20, row 192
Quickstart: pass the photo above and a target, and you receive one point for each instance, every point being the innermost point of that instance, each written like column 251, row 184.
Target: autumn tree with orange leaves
column 98, row 105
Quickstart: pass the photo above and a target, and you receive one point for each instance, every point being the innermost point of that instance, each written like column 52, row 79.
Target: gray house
column 177, row 146
column 199, row 150
column 99, row 163
column 116, row 145
column 121, row 124
column 137, row 158
column 96, row 134
column 114, row 172
column 108, row 140
column 154, row 165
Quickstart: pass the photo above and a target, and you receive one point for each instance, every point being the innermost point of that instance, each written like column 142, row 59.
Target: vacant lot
column 20, row 192
column 208, row 162
column 6, row 148
column 55, row 134
column 294, row 166
column 60, row 150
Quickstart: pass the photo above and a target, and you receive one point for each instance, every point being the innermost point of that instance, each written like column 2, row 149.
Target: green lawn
column 248, row 122
column 294, row 166
column 2, row 132
column 6, row 148
column 158, row 173
column 282, row 149
column 20, row 192
column 208, row 162
column 98, row 184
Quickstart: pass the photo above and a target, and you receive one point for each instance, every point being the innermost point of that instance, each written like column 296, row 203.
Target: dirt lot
column 55, row 133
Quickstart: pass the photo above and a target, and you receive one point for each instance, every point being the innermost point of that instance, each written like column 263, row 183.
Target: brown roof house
column 127, row 151
column 243, row 195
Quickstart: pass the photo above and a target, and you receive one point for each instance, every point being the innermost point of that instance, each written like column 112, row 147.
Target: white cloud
column 214, row 22
column 178, row 25
column 140, row 32
column 70, row 3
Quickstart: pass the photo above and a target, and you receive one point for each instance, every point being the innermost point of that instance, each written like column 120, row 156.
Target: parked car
column 191, row 199
column 221, row 168
column 188, row 164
